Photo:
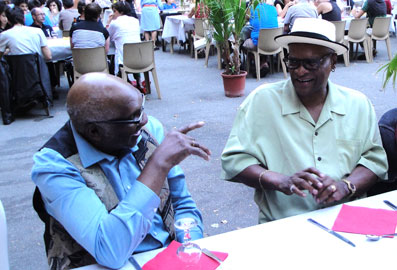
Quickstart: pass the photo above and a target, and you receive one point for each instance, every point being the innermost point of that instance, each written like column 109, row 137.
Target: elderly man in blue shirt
column 108, row 184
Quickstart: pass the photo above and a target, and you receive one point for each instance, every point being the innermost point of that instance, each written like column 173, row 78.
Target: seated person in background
column 169, row 4
column 264, row 16
column 55, row 6
column 110, row 141
column 373, row 8
column 302, row 143
column 22, row 4
column 302, row 9
column 67, row 16
column 389, row 7
column 4, row 25
column 388, row 133
column 21, row 39
column 38, row 22
column 28, row 16
column 328, row 9
column 123, row 29
column 282, row 7
column 89, row 33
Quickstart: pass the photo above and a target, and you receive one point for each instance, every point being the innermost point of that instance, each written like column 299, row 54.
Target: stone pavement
column 190, row 93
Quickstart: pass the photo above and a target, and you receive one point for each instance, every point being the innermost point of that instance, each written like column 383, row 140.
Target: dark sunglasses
column 134, row 121
column 309, row 64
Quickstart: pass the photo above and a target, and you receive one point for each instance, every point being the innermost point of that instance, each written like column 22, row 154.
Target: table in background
column 176, row 27
column 60, row 48
column 294, row 243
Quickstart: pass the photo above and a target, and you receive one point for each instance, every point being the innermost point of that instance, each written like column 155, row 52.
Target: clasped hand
column 323, row 188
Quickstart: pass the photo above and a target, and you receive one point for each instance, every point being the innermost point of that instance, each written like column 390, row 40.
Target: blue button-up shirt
column 134, row 225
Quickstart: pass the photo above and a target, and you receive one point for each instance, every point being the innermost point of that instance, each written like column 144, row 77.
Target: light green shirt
column 273, row 128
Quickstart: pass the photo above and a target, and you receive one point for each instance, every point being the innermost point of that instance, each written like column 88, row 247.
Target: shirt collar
column 291, row 103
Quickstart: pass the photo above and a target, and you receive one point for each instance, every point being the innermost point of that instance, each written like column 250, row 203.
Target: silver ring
column 291, row 188
column 333, row 188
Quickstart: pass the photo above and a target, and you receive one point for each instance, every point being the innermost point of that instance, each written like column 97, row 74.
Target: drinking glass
column 188, row 252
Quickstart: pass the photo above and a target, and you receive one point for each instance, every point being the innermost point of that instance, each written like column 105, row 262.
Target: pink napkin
column 167, row 259
column 363, row 220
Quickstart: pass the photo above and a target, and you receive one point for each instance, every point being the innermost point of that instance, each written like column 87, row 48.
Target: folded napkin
column 167, row 259
column 363, row 220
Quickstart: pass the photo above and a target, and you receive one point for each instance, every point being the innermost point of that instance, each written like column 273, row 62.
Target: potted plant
column 390, row 71
column 227, row 19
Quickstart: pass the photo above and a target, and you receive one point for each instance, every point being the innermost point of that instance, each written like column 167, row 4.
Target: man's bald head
column 98, row 96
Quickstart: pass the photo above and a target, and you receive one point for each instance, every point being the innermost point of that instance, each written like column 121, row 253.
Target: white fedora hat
column 312, row 31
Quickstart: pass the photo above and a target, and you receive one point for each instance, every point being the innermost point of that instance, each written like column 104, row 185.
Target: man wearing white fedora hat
column 305, row 143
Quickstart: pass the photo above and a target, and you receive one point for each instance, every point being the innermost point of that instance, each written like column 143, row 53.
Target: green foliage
column 227, row 18
column 389, row 71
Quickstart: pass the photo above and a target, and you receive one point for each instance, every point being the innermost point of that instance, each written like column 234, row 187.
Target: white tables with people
column 176, row 27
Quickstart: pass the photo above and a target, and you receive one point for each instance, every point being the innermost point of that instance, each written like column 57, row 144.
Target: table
column 60, row 48
column 176, row 27
column 294, row 243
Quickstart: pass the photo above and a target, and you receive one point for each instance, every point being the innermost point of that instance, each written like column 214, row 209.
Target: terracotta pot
column 234, row 85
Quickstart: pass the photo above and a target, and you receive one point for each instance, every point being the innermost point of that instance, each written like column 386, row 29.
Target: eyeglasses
column 40, row 14
column 309, row 64
column 134, row 121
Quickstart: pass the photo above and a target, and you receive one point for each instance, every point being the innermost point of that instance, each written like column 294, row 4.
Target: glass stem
column 186, row 237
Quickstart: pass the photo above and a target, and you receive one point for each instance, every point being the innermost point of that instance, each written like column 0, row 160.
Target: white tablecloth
column 177, row 26
column 60, row 48
column 294, row 243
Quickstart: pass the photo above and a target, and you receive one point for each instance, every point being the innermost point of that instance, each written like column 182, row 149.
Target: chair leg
column 388, row 46
column 124, row 75
column 281, row 54
column 147, row 81
column 207, row 53
column 367, row 47
column 257, row 66
column 248, row 62
column 172, row 44
column 156, row 82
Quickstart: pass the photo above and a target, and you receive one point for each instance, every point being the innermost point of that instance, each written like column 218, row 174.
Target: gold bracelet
column 259, row 179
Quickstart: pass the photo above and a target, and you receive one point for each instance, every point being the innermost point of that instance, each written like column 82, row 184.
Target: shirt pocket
column 348, row 155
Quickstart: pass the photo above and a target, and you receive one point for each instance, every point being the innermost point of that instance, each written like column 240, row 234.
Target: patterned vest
column 63, row 252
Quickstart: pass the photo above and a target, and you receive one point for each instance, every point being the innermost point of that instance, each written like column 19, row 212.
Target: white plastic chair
column 137, row 58
column 267, row 46
column 4, row 264
column 340, row 36
column 87, row 60
column 380, row 31
column 357, row 33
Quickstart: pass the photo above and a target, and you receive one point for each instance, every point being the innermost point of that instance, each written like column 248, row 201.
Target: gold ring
column 333, row 188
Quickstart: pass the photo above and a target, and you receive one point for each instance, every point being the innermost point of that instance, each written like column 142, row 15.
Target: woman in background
column 328, row 9
column 282, row 7
column 3, row 17
column 150, row 19
column 55, row 7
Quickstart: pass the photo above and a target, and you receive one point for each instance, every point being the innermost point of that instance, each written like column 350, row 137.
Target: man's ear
column 93, row 132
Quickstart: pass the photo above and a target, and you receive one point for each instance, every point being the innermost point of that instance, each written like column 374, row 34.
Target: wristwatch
column 351, row 187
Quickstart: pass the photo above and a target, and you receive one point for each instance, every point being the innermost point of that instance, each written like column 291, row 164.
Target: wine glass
column 188, row 252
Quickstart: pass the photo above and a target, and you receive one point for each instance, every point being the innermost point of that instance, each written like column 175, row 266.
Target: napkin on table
column 167, row 259
column 363, row 220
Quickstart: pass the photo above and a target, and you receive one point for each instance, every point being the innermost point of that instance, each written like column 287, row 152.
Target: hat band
column 309, row 35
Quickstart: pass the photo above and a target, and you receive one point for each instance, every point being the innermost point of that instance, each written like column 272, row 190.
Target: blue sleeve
column 28, row 19
column 110, row 237
column 47, row 21
column 182, row 201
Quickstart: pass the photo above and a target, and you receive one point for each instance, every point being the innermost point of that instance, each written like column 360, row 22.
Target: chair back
column 87, row 60
column 380, row 29
column 199, row 28
column 266, row 43
column 138, row 57
column 4, row 264
column 357, row 30
column 339, row 30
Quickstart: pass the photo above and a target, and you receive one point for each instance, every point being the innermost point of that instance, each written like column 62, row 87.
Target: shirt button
column 319, row 158
column 128, row 187
column 316, row 133
column 154, row 233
